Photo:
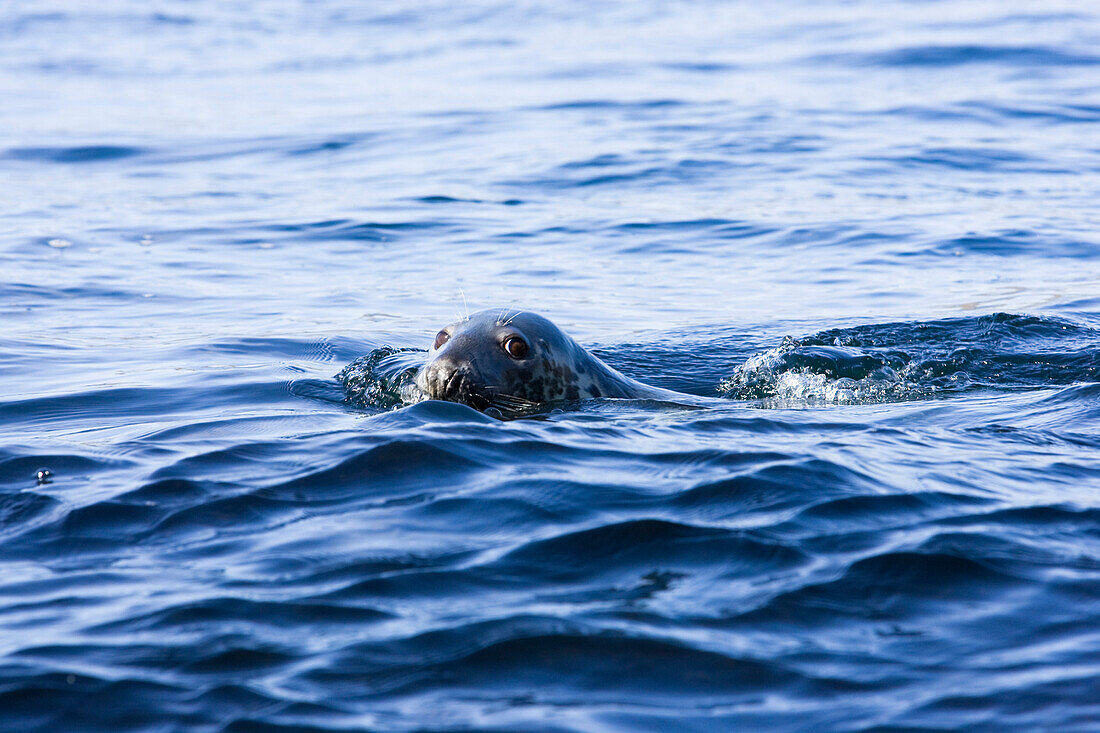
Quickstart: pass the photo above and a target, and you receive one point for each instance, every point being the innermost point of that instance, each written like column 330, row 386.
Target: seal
column 511, row 362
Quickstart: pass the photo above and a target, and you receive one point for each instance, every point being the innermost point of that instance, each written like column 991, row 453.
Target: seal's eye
column 441, row 338
column 515, row 347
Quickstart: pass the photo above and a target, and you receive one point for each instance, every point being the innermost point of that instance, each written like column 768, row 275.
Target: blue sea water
column 869, row 229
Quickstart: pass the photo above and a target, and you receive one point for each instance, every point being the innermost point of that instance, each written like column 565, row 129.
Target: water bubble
column 43, row 476
column 384, row 378
column 59, row 243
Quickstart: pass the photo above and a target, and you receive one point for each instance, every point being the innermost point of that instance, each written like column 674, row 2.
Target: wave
column 959, row 55
column 904, row 361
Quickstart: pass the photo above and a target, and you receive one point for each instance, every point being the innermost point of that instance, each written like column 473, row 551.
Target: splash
column 384, row 378
column 801, row 373
column 905, row 361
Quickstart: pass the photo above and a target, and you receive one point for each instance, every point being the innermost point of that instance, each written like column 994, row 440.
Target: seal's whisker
column 502, row 320
column 512, row 400
column 512, row 403
column 497, row 393
column 465, row 305
column 506, row 411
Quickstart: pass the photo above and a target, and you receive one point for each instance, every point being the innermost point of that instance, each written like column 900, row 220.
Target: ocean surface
column 869, row 230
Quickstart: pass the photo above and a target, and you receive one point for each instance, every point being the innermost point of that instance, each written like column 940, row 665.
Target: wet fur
column 473, row 368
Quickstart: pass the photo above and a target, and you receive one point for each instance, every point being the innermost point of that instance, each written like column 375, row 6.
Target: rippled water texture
column 867, row 231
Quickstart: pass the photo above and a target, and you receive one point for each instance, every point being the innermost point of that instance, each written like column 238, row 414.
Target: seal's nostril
column 445, row 380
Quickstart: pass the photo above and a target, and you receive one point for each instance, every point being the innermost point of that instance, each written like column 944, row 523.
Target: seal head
column 513, row 361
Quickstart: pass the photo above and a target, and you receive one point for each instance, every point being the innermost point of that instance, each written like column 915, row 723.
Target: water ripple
column 860, row 235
